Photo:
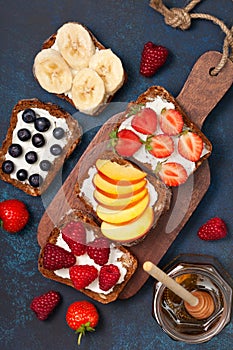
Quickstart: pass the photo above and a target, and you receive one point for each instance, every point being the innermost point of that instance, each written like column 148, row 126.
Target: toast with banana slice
column 41, row 136
column 91, row 264
column 75, row 66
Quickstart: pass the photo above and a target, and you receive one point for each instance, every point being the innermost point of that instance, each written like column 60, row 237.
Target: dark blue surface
column 124, row 26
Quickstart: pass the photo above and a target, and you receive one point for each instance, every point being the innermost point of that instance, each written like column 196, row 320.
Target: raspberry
column 74, row 234
column 14, row 215
column 99, row 250
column 45, row 304
column 56, row 257
column 108, row 276
column 213, row 229
column 153, row 57
column 83, row 275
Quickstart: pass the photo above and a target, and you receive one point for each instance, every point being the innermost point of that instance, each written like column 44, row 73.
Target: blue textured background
column 124, row 26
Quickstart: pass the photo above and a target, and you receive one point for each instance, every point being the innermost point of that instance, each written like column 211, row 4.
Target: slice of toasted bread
column 51, row 43
column 165, row 100
column 58, row 118
column 160, row 194
column 119, row 255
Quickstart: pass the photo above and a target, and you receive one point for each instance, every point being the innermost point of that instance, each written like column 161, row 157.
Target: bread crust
column 49, row 43
column 128, row 260
column 73, row 141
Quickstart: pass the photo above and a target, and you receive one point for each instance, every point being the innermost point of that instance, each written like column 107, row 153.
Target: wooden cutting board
column 198, row 97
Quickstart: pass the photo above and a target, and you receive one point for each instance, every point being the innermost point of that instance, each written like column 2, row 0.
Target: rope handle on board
column 181, row 18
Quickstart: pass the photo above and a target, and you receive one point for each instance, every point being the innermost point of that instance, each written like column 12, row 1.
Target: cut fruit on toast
column 119, row 256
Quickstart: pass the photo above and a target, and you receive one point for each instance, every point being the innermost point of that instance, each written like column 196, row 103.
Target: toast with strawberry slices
column 156, row 134
column 77, row 255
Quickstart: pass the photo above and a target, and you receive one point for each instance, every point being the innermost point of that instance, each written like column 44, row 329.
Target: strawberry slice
column 127, row 143
column 190, row 146
column 145, row 121
column 171, row 173
column 171, row 122
column 160, row 146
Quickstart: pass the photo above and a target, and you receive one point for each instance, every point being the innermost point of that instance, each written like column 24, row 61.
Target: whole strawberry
column 82, row 316
column 45, row 304
column 13, row 215
column 55, row 257
column 99, row 250
column 213, row 229
column 153, row 57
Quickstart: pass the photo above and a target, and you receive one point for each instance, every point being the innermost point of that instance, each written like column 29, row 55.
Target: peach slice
column 118, row 203
column 122, row 216
column 119, row 172
column 130, row 231
column 117, row 189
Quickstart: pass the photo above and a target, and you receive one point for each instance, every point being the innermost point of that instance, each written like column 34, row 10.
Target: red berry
column 13, row 215
column 145, row 121
column 153, row 57
column 190, row 146
column 108, row 276
column 171, row 173
column 127, row 143
column 171, row 122
column 99, row 250
column 55, row 257
column 213, row 229
column 82, row 275
column 74, row 234
column 44, row 304
column 82, row 316
column 160, row 146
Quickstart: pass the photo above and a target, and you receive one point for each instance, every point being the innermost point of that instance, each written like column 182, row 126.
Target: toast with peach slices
column 77, row 255
column 157, row 135
column 126, row 201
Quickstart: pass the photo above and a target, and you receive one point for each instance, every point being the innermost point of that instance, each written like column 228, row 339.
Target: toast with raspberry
column 100, row 271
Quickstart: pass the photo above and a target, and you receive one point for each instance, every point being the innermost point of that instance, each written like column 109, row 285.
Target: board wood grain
column 199, row 95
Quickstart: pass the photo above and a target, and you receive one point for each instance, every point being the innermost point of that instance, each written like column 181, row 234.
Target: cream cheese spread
column 114, row 258
column 43, row 153
column 143, row 156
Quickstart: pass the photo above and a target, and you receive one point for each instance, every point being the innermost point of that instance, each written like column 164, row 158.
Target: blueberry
column 42, row 124
column 15, row 150
column 45, row 165
column 56, row 150
column 58, row 133
column 29, row 116
column 22, row 174
column 38, row 140
column 35, row 180
column 8, row 167
column 31, row 157
column 24, row 134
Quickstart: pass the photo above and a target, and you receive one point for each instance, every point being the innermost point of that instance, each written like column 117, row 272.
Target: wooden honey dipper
column 198, row 304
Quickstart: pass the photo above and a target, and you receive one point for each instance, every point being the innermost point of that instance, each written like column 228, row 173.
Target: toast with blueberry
column 77, row 255
column 39, row 139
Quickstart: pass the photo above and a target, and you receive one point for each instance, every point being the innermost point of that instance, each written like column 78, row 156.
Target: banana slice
column 109, row 68
column 88, row 91
column 52, row 71
column 75, row 45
